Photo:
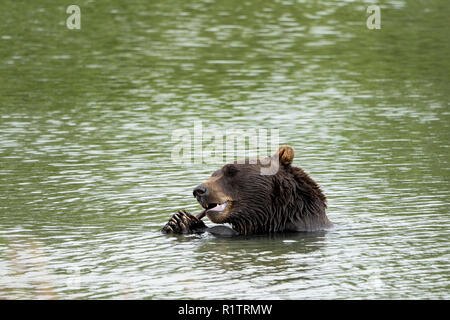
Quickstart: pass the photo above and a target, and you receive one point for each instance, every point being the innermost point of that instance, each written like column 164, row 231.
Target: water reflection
column 263, row 255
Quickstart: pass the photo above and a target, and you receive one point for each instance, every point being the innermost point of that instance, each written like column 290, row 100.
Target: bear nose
column 200, row 191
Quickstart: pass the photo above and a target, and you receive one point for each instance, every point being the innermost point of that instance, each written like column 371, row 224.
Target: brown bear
column 255, row 197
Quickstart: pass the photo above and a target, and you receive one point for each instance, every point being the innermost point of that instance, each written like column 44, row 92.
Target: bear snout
column 201, row 194
column 200, row 191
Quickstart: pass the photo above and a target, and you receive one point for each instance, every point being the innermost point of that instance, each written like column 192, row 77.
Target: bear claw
column 183, row 222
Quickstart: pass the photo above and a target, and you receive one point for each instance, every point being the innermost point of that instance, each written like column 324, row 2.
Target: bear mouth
column 217, row 207
column 216, row 212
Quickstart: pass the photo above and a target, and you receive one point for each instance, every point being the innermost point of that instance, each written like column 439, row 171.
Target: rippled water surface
column 87, row 176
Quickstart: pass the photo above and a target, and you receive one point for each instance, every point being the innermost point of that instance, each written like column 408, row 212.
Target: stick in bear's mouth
column 201, row 215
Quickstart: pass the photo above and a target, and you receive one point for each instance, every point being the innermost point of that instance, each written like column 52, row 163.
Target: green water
column 87, row 119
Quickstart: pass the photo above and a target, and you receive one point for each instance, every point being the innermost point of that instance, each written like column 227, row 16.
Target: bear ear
column 286, row 155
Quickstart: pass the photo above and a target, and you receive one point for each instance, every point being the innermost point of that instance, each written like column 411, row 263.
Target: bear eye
column 215, row 173
column 230, row 170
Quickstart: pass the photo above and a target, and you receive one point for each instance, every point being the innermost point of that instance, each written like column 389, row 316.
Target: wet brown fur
column 289, row 200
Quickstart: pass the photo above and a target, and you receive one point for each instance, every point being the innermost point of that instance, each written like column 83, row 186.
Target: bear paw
column 184, row 222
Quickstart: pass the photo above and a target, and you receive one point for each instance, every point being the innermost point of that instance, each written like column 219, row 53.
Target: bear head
column 263, row 196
